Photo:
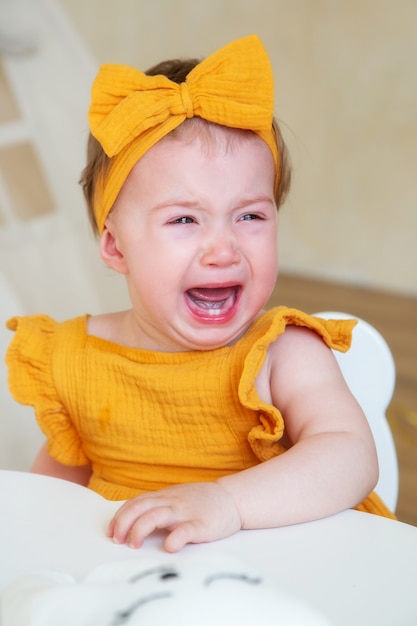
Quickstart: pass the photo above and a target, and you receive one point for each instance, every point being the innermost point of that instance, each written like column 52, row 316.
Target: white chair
column 369, row 370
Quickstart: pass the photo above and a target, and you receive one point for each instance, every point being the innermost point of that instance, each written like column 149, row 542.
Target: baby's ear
column 110, row 253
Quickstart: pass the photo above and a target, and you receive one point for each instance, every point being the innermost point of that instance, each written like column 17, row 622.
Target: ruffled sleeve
column 265, row 437
column 30, row 361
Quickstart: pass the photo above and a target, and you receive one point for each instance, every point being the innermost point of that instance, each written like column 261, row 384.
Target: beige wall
column 346, row 90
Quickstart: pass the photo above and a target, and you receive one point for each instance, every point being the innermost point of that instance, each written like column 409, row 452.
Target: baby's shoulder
column 282, row 358
column 295, row 344
column 43, row 329
column 291, row 333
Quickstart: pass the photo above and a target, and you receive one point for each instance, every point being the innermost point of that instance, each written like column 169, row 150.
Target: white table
column 356, row 568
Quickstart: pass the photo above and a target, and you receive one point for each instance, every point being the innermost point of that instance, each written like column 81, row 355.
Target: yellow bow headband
column 130, row 111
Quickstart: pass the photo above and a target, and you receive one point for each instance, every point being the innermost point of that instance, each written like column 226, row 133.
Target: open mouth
column 213, row 303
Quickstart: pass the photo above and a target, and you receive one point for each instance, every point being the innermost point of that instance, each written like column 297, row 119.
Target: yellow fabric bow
column 131, row 111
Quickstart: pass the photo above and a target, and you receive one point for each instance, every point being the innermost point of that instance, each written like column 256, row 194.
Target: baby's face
column 194, row 230
column 190, row 590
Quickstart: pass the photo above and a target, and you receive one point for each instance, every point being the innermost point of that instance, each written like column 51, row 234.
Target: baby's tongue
column 211, row 297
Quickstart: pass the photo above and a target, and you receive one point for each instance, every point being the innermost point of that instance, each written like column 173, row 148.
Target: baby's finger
column 186, row 532
column 126, row 516
column 157, row 518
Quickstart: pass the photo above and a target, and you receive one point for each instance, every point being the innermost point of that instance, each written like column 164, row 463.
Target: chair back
column 369, row 370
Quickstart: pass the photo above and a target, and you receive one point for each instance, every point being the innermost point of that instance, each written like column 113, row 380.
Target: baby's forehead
column 211, row 135
column 205, row 138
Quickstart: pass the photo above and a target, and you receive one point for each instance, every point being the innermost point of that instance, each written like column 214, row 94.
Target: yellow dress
column 146, row 420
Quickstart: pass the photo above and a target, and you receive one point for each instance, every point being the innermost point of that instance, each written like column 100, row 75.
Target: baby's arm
column 44, row 463
column 331, row 466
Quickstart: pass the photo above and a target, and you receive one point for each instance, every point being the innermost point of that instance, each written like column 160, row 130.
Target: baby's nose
column 221, row 251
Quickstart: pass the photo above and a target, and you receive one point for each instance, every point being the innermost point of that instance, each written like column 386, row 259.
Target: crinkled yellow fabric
column 146, row 420
column 130, row 111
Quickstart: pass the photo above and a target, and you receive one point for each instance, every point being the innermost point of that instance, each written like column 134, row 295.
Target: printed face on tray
column 215, row 590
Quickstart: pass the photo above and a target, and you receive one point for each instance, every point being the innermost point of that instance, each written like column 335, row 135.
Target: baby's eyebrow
column 245, row 578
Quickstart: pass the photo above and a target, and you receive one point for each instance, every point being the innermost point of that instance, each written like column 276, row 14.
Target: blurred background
column 346, row 97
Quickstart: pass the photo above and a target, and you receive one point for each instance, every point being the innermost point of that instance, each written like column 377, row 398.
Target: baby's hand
column 192, row 513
